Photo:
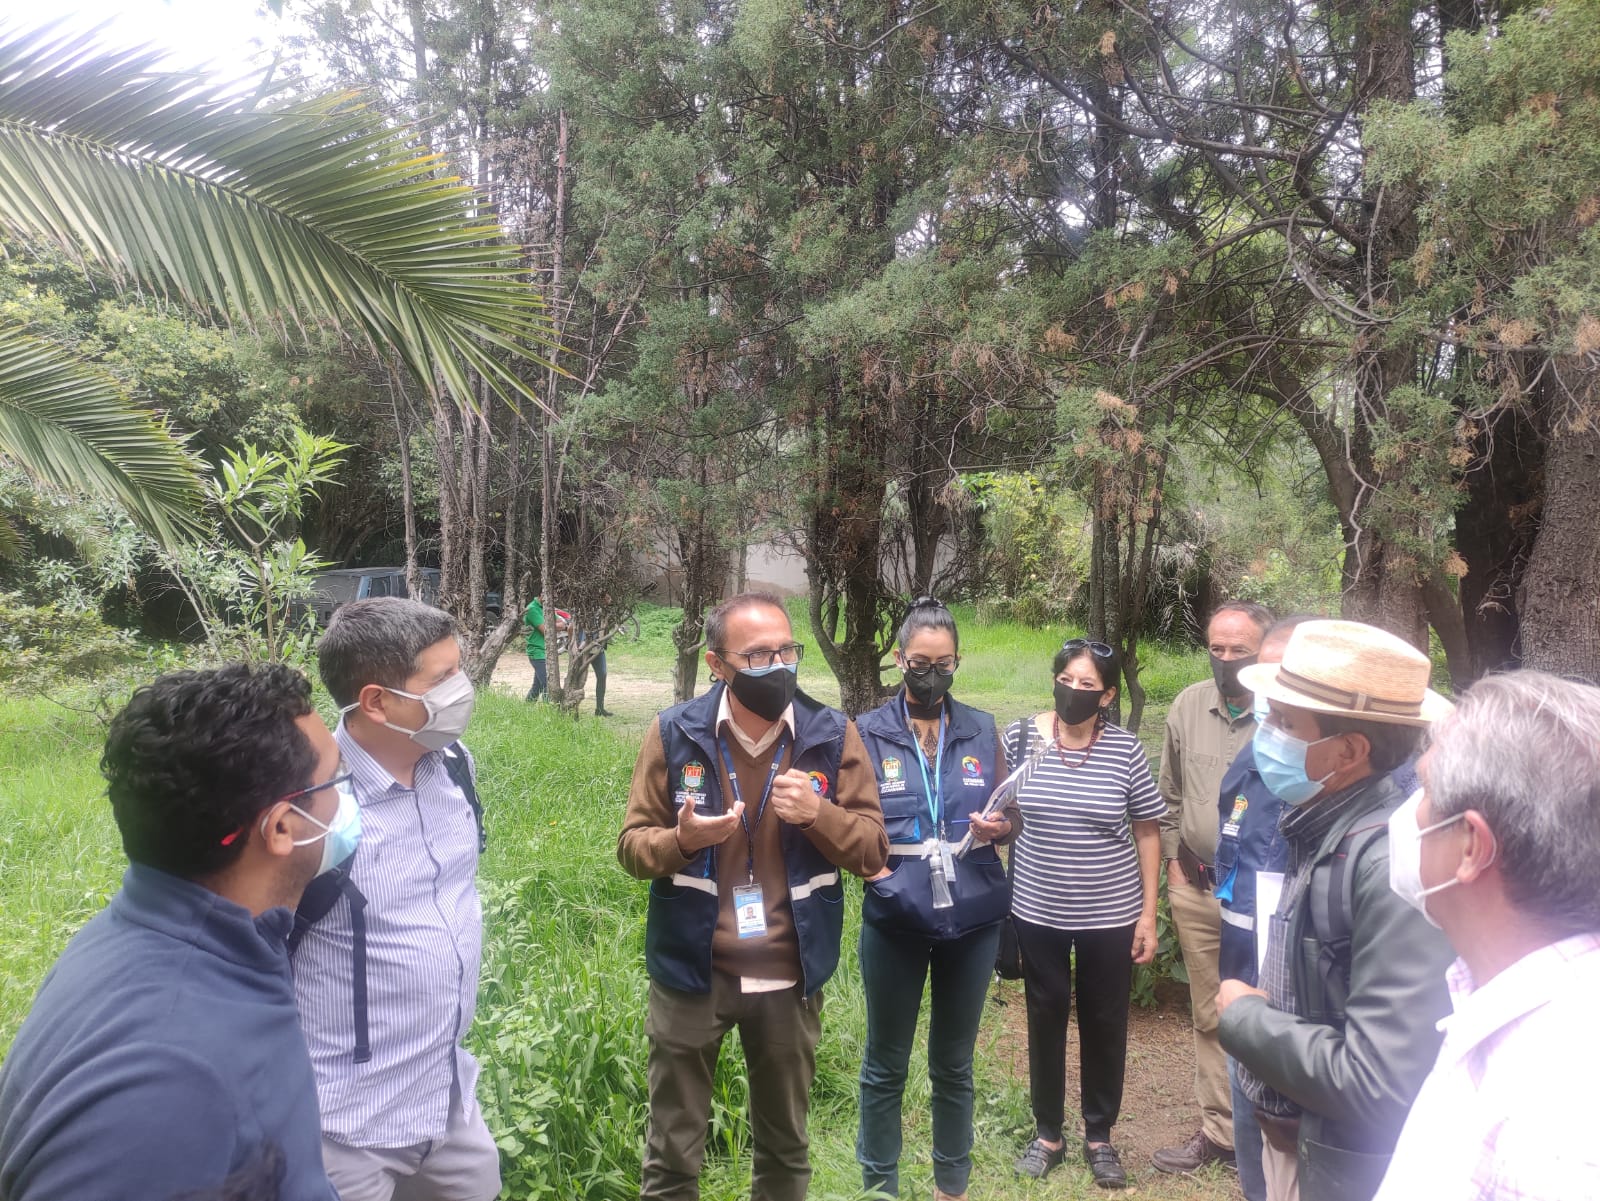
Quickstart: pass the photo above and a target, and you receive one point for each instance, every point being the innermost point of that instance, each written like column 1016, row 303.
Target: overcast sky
column 228, row 35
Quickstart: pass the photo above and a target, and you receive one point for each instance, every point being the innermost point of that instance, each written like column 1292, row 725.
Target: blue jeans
column 539, row 686
column 894, row 967
column 1246, row 1140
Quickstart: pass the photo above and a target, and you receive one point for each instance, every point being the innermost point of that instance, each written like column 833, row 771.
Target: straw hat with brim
column 1353, row 670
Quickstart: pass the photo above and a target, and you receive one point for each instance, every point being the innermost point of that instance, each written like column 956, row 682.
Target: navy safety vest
column 683, row 907
column 969, row 773
column 1248, row 841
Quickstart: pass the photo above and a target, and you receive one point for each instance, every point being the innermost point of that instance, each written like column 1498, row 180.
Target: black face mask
column 1074, row 705
column 766, row 694
column 1226, row 673
column 927, row 688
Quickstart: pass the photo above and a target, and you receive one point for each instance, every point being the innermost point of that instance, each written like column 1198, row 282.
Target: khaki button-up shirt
column 1201, row 740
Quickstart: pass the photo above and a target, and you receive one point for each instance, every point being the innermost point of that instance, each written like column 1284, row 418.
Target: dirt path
column 631, row 697
column 1158, row 1108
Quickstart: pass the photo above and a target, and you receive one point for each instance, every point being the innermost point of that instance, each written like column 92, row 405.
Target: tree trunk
column 549, row 498
column 1495, row 528
column 1560, row 594
column 1382, row 583
column 705, row 571
column 407, row 492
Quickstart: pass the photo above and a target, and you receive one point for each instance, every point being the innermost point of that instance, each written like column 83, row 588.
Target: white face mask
column 1405, row 855
column 449, row 704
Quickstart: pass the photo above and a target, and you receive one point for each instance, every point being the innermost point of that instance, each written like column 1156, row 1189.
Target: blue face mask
column 1281, row 760
column 339, row 836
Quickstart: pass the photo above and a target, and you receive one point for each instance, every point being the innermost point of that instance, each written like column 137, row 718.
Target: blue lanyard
column 733, row 783
column 934, row 791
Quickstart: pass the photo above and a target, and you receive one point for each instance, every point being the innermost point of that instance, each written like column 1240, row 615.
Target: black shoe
column 604, row 713
column 1195, row 1153
column 1039, row 1158
column 1106, row 1165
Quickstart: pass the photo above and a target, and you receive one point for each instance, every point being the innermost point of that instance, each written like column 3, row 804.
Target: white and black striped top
column 1074, row 865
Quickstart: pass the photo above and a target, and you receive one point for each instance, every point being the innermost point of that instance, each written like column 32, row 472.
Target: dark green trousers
column 779, row 1031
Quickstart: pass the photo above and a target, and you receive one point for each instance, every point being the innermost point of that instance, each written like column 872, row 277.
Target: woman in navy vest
column 929, row 912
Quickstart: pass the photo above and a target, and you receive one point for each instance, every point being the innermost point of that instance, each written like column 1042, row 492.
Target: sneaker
column 1106, row 1165
column 1039, row 1158
column 940, row 1195
column 1195, row 1153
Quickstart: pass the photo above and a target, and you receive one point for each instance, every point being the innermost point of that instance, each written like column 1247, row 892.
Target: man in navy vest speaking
column 745, row 804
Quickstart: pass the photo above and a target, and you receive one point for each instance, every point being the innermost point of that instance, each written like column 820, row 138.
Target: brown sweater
column 848, row 832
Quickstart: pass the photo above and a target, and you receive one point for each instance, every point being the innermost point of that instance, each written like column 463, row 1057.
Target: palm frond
column 71, row 426
column 272, row 217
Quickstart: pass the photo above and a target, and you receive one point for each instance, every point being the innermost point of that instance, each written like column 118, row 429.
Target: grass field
column 561, row 1011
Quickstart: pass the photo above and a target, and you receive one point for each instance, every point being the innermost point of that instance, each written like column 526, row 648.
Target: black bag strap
column 319, row 898
column 460, row 770
column 1333, row 916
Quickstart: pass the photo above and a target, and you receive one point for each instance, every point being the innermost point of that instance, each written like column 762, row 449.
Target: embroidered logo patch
column 1230, row 828
column 969, row 766
column 819, row 783
column 892, row 769
column 694, row 776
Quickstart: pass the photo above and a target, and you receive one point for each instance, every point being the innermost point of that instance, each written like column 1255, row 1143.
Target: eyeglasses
column 345, row 776
column 788, row 655
column 1098, row 649
column 921, row 667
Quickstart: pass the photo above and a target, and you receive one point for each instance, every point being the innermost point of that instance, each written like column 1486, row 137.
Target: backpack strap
column 460, row 769
column 1333, row 916
column 319, row 898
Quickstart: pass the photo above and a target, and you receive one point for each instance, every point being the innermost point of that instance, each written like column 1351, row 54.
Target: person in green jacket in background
column 533, row 623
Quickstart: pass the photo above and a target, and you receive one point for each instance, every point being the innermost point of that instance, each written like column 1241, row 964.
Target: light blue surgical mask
column 1281, row 760
column 339, row 837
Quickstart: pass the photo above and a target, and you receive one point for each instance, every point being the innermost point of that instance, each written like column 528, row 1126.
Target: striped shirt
column 417, row 866
column 1074, row 864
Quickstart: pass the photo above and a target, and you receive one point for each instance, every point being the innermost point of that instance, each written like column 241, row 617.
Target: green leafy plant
column 244, row 585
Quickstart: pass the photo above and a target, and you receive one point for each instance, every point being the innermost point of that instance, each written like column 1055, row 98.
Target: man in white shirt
column 1498, row 850
column 385, row 1027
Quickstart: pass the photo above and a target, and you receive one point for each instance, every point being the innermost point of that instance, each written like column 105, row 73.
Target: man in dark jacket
column 745, row 805
column 1335, row 1046
column 163, row 1051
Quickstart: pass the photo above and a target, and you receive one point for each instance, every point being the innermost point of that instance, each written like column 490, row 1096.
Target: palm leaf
column 273, row 217
column 71, row 426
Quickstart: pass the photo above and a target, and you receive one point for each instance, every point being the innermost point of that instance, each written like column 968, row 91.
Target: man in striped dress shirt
column 403, row 1123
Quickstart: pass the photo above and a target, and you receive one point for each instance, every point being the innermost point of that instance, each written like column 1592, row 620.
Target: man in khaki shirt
column 1206, row 727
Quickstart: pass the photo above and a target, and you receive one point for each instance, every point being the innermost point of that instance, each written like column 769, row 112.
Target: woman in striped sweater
column 1084, row 889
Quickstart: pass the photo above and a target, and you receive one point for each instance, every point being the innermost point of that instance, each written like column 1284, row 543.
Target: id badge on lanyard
column 942, row 862
column 749, row 908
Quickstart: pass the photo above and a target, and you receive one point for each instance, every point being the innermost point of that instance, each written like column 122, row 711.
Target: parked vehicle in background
column 330, row 589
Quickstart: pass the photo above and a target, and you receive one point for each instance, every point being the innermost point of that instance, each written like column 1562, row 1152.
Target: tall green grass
column 60, row 859
column 560, row 1029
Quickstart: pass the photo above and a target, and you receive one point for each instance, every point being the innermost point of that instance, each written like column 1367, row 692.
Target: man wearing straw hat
column 1334, row 1047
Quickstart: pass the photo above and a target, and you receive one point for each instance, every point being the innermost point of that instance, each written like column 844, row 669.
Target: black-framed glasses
column 918, row 666
column 345, row 776
column 787, row 655
column 1098, row 649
